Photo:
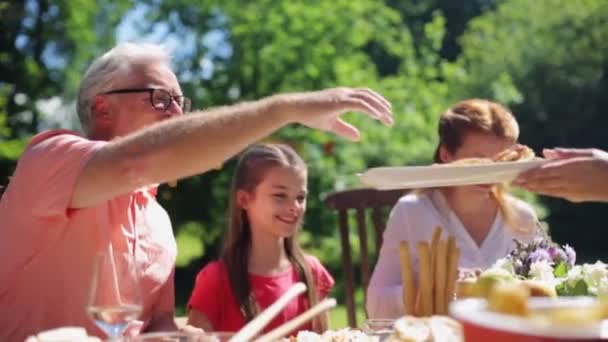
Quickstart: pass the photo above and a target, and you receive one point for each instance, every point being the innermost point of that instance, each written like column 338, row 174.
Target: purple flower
column 540, row 254
column 557, row 254
column 570, row 255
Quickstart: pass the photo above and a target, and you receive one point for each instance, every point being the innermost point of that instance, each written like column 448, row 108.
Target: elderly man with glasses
column 74, row 196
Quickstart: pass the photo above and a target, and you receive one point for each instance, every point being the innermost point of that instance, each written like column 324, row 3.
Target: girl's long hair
column 251, row 169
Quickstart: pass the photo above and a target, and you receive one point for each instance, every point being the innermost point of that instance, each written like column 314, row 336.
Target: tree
column 457, row 15
column 549, row 60
column 44, row 49
column 266, row 47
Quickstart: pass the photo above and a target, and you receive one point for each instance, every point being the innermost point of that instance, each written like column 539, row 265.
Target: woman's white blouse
column 414, row 219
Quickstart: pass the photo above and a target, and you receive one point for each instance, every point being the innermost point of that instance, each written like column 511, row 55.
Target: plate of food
column 511, row 314
column 435, row 328
column 503, row 168
column 346, row 334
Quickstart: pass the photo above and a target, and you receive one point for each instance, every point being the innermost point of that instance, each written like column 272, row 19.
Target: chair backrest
column 362, row 201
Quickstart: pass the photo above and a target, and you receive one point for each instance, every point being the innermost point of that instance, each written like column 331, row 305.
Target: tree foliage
column 549, row 60
column 44, row 49
column 546, row 59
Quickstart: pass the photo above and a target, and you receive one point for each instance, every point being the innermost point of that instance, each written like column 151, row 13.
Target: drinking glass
column 115, row 294
column 379, row 327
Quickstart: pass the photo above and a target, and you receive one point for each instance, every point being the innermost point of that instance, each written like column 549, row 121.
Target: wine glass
column 382, row 328
column 115, row 295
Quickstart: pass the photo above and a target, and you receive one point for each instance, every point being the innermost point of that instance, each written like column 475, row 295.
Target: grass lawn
column 338, row 318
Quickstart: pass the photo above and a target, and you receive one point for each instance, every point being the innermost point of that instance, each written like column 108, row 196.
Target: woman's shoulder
column 411, row 213
column 414, row 207
column 413, row 201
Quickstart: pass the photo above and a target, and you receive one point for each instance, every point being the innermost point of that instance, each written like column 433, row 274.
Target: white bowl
column 480, row 324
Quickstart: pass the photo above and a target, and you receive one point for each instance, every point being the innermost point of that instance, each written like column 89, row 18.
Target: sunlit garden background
column 546, row 59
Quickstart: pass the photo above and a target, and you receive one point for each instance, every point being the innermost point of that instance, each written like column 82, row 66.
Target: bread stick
column 441, row 265
column 453, row 262
column 407, row 278
column 425, row 275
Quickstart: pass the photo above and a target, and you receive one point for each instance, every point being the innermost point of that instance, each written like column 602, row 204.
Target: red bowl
column 480, row 324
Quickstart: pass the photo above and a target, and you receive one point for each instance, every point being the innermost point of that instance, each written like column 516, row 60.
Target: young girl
column 261, row 257
column 482, row 218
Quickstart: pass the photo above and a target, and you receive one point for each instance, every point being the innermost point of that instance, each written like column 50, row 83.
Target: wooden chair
column 378, row 201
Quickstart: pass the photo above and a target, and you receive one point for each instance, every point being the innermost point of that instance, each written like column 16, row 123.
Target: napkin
column 63, row 334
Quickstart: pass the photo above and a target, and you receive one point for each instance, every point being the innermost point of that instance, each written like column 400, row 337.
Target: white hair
column 111, row 68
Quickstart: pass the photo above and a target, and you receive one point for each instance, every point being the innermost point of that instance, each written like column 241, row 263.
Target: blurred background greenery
column 546, row 59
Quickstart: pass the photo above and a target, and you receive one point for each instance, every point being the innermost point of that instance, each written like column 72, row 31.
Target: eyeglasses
column 159, row 98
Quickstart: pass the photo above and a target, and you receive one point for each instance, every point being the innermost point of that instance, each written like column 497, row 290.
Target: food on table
column 406, row 329
column 407, row 278
column 509, row 298
column 569, row 316
column 427, row 329
column 438, row 270
column 470, row 161
column 465, row 288
column 343, row 335
column 542, row 289
column 425, row 289
column 539, row 289
column 453, row 257
column 483, row 284
column 487, row 280
column 514, row 299
column 516, row 153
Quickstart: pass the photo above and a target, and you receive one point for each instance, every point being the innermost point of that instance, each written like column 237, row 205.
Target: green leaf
column 561, row 289
column 578, row 289
column 561, row 270
column 12, row 149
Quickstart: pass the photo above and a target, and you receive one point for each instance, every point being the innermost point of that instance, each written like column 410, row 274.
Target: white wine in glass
column 115, row 297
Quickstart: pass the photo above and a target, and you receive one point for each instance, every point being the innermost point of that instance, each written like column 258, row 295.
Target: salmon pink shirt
column 47, row 249
column 213, row 296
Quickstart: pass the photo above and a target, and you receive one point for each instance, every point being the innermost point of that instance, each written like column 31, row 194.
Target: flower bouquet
column 554, row 266
column 537, row 292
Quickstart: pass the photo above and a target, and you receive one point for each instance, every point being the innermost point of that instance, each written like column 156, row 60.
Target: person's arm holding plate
column 578, row 175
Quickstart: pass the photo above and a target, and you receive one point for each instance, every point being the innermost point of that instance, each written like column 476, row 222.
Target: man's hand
column 323, row 109
column 171, row 149
column 577, row 175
